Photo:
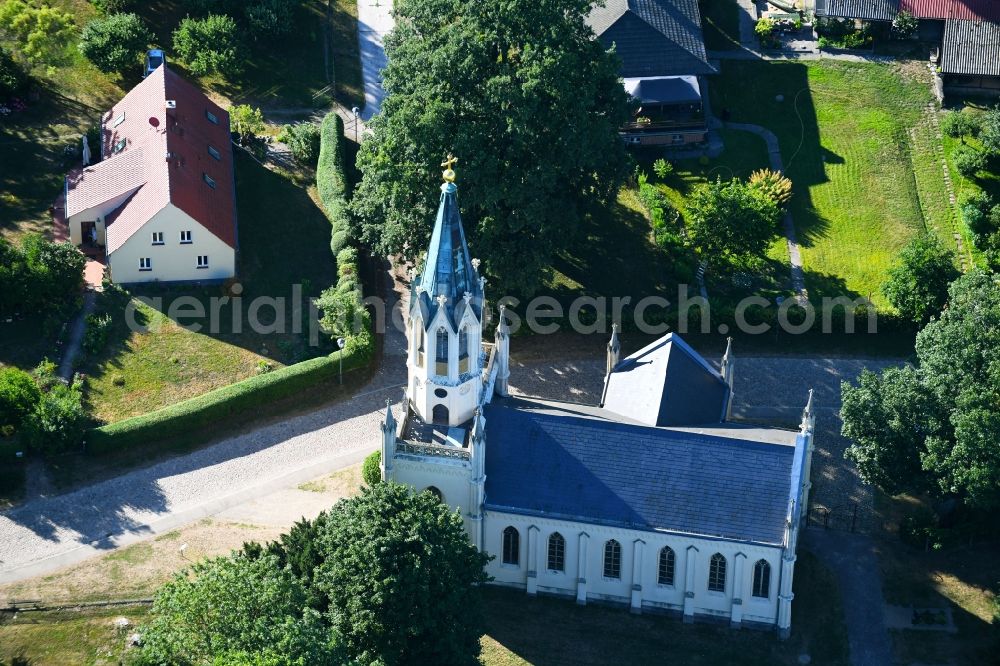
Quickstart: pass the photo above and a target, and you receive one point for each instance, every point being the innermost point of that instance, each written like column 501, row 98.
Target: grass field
column 843, row 129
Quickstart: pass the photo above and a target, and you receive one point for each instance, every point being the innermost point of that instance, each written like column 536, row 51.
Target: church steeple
column 449, row 271
column 446, row 312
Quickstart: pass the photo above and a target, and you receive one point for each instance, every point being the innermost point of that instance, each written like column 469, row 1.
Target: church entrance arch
column 440, row 415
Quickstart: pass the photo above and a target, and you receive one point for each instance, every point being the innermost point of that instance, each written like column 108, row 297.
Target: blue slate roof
column 667, row 384
column 653, row 37
column 585, row 464
column 448, row 269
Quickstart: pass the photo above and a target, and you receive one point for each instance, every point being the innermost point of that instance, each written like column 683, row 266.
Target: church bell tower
column 444, row 359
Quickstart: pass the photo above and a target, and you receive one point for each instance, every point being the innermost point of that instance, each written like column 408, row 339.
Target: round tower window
column 441, row 393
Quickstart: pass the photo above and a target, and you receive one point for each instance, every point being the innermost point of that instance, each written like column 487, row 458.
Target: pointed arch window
column 463, row 342
column 442, row 345
column 418, row 332
column 612, row 559
column 557, row 552
column 665, row 574
column 717, row 573
column 762, row 579
column 511, row 546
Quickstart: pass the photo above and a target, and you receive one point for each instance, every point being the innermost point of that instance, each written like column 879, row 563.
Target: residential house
column 969, row 31
column 663, row 57
column 160, row 204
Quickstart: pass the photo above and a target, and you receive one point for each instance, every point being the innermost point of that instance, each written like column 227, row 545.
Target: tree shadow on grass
column 751, row 90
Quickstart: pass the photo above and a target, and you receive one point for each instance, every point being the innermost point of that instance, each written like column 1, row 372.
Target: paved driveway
column 374, row 23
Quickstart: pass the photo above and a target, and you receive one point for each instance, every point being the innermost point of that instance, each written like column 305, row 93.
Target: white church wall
column 651, row 595
column 449, row 476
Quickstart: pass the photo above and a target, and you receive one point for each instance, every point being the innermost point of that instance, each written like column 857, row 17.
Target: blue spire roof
column 448, row 269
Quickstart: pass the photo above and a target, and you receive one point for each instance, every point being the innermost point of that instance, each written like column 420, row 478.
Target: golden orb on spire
column 449, row 172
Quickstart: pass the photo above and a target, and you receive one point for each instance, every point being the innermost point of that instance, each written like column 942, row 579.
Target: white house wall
column 172, row 261
column 94, row 214
column 651, row 595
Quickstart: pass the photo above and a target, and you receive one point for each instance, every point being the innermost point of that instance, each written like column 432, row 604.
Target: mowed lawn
column 844, row 132
column 284, row 241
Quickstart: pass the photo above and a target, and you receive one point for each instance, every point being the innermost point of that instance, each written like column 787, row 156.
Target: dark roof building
column 866, row 10
column 653, row 37
column 574, row 462
column 971, row 47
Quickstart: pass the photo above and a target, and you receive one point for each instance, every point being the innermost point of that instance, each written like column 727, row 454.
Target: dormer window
column 214, row 152
column 119, row 146
column 208, row 180
column 212, row 118
column 119, row 120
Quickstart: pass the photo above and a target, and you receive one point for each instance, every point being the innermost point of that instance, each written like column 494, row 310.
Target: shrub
column 959, row 124
column 773, row 185
column 331, row 181
column 765, row 29
column 904, row 24
column 209, row 45
column 247, row 123
column 58, row 422
column 918, row 285
column 115, row 43
column 268, row 19
column 371, row 471
column 989, row 132
column 968, row 161
column 662, row 168
column 976, row 210
column 96, row 335
column 114, row 6
column 56, row 272
column 303, row 140
column 19, row 396
column 13, row 79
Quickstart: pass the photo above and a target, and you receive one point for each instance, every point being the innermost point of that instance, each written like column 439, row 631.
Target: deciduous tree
column 731, row 220
column 530, row 103
column 115, row 43
column 209, row 45
column 42, row 34
column 402, row 579
column 945, row 412
column 918, row 284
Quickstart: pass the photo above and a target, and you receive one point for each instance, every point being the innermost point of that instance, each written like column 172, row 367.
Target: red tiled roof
column 93, row 185
column 166, row 152
column 970, row 10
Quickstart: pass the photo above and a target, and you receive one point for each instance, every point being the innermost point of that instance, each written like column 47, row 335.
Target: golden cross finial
column 449, row 172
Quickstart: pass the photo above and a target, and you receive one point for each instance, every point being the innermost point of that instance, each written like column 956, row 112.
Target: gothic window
column 612, row 559
column 418, row 331
column 717, row 573
column 434, row 491
column 665, row 575
column 557, row 552
column 762, row 579
column 511, row 546
column 463, row 342
column 442, row 345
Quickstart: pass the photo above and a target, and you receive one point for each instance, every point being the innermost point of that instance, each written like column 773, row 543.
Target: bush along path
column 774, row 157
column 77, row 331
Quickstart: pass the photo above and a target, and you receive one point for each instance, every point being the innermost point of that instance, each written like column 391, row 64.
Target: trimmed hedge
column 331, row 181
column 206, row 409
column 189, row 416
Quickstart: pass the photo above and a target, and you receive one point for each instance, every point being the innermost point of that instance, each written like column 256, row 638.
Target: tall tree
column 945, row 413
column 235, row 610
column 402, row 579
column 116, row 42
column 917, row 285
column 526, row 98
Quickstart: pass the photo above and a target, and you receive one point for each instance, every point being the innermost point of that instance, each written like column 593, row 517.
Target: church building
column 653, row 499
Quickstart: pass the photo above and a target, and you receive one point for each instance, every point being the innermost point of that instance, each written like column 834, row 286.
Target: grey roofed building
column 667, row 384
column 575, row 462
column 866, row 10
column 653, row 37
column 971, row 47
column 665, row 89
